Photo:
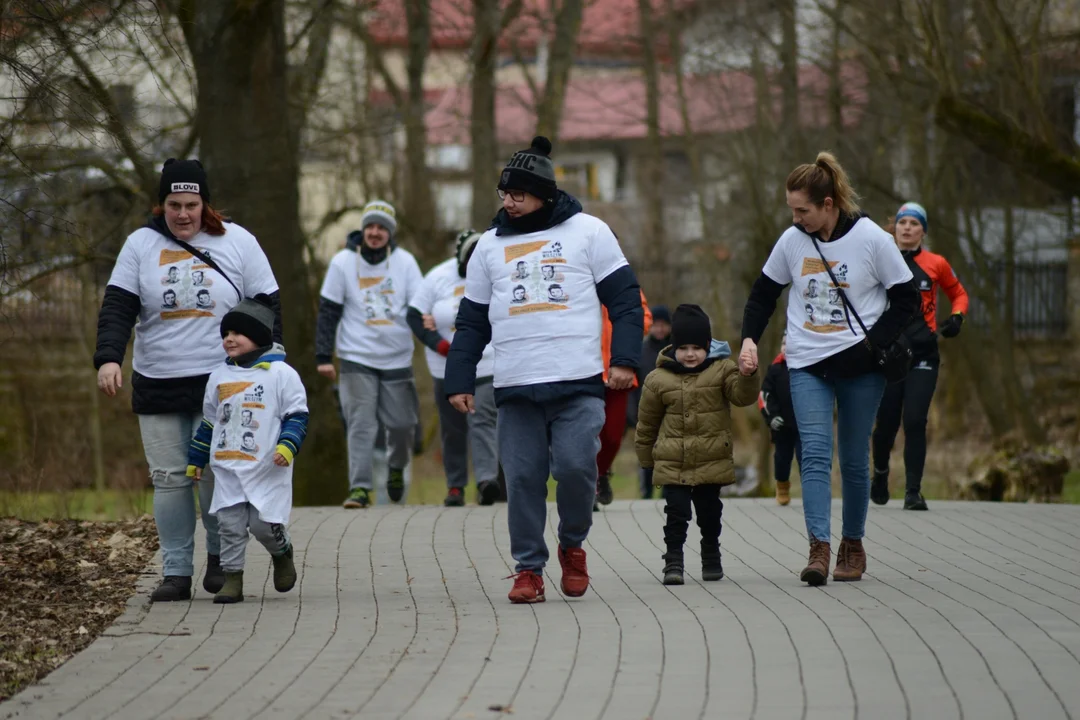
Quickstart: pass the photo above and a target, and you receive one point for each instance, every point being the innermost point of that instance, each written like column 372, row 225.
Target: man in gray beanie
column 368, row 287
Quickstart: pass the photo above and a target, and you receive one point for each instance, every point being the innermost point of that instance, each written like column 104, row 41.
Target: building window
column 580, row 180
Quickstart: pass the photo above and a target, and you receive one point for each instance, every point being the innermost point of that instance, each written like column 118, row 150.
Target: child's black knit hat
column 690, row 326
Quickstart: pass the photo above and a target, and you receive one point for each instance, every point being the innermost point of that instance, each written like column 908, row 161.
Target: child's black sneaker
column 395, row 484
column 455, row 497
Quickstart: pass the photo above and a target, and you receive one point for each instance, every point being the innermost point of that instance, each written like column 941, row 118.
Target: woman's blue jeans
column 165, row 441
column 856, row 402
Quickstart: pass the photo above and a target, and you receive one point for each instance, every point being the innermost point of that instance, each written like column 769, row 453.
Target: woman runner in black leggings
column 911, row 398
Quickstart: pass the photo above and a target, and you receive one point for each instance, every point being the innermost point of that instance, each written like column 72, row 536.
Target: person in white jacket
column 254, row 449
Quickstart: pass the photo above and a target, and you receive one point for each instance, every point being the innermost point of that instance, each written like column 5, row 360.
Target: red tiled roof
column 608, row 27
column 613, row 108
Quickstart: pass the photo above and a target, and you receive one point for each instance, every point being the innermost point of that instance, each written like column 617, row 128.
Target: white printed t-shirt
column 373, row 331
column 865, row 262
column 183, row 300
column 541, row 291
column 247, row 406
column 440, row 295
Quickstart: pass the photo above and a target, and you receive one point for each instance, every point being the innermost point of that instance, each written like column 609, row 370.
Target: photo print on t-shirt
column 237, row 439
column 187, row 293
column 822, row 303
column 378, row 306
column 535, row 267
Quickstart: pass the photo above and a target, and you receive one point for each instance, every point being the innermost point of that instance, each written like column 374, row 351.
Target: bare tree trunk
column 654, row 240
column 792, row 139
column 249, row 147
column 418, row 219
column 563, row 46
column 836, row 87
column 482, row 126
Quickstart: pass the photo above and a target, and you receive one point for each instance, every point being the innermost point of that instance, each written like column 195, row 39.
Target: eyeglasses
column 515, row 195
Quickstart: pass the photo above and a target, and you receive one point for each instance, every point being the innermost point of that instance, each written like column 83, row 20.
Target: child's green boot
column 233, row 589
column 284, row 570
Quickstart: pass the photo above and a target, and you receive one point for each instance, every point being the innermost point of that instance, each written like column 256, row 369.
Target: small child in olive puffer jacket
column 684, row 434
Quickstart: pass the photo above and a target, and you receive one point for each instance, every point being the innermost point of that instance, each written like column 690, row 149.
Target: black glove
column 951, row 327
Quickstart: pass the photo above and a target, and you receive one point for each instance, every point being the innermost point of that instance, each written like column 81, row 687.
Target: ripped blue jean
column 165, row 440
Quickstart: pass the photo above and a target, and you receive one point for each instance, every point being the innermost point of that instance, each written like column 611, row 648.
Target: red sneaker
column 528, row 588
column 575, row 575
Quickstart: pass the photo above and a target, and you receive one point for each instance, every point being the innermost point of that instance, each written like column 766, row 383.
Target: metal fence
column 1040, row 298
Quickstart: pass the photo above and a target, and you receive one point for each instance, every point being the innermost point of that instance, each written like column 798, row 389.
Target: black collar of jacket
column 670, row 363
column 911, row 253
column 372, row 256
column 565, row 207
column 844, row 223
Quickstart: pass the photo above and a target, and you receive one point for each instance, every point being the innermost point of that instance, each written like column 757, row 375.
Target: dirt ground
column 62, row 582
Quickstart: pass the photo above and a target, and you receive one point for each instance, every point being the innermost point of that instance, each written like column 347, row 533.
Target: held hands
column 194, row 471
column 280, row 460
column 748, row 360
column 327, row 371
column 620, row 378
column 463, row 403
column 429, row 322
column 110, row 379
column 776, row 423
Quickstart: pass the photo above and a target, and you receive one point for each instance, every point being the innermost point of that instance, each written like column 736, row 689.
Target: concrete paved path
column 969, row 611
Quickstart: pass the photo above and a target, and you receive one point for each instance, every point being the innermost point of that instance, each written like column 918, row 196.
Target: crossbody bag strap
column 848, row 309
column 206, row 260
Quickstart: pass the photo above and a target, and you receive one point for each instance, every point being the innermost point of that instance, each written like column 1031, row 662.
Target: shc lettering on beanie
column 180, row 176
column 532, row 171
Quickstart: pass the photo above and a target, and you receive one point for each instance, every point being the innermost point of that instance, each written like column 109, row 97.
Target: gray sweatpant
column 370, row 397
column 233, row 525
column 460, row 432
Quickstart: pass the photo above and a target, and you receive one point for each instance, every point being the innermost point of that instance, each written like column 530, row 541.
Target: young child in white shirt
column 255, row 419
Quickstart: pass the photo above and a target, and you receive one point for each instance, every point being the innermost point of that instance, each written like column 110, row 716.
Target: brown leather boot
column 850, row 561
column 816, row 571
column 783, row 493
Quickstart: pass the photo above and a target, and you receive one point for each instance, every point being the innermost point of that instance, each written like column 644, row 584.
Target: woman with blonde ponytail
column 851, row 298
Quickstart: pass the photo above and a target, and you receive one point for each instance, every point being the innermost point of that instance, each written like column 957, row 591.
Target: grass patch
column 1070, row 493
column 77, row 505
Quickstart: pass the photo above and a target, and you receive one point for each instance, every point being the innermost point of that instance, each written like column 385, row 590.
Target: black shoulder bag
column 893, row 361
column 206, row 260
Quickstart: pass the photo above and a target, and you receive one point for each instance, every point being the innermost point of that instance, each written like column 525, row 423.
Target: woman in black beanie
column 208, row 265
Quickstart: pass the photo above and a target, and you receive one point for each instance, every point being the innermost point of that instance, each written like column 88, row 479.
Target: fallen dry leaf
column 64, row 582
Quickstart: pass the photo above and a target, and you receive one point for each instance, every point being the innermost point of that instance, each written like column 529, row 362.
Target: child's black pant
column 786, row 447
column 707, row 506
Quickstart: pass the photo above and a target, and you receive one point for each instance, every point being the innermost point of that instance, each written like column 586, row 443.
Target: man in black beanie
column 548, row 380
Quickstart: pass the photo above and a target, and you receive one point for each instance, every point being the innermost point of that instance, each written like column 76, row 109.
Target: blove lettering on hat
column 179, row 187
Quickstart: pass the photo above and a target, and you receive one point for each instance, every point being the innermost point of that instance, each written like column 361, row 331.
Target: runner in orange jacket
column 615, row 414
column 910, row 399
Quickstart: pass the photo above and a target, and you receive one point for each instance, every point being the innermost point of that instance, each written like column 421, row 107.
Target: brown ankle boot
column 783, row 493
column 816, row 571
column 850, row 561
